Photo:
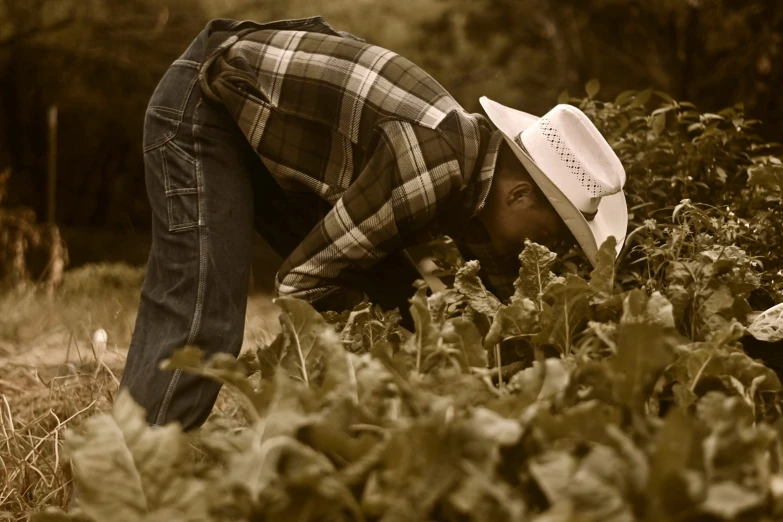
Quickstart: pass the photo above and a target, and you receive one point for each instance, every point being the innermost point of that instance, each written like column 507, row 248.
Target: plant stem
column 418, row 350
column 301, row 360
column 298, row 349
column 499, row 365
column 626, row 245
column 698, row 374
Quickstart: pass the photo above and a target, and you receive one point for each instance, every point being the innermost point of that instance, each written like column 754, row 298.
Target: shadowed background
column 98, row 61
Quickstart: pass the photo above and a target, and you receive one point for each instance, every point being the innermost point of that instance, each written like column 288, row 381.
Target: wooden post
column 52, row 167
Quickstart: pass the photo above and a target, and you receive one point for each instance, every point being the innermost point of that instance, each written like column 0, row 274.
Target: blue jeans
column 209, row 191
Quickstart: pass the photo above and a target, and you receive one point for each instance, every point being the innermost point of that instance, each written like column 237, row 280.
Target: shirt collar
column 487, row 172
column 461, row 221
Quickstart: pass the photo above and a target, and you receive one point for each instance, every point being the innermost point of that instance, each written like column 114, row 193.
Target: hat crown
column 568, row 146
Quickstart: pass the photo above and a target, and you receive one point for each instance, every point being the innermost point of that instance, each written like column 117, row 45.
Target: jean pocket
column 167, row 106
column 179, row 173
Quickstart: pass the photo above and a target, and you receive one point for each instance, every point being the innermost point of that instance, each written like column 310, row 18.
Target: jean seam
column 202, row 268
column 182, row 191
column 163, row 108
column 190, row 64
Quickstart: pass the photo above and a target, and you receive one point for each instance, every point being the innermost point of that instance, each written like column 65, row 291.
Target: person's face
column 516, row 210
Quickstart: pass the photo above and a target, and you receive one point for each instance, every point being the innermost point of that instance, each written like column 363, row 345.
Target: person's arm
column 391, row 205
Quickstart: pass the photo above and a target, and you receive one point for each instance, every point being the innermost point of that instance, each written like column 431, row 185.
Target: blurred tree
column 394, row 25
column 99, row 61
column 21, row 21
column 713, row 52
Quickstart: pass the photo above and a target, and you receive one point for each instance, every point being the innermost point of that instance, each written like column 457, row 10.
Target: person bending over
column 340, row 154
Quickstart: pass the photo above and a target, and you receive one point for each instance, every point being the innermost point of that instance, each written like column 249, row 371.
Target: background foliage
column 99, row 62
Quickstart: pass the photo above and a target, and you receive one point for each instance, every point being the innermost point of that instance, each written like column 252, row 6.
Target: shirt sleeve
column 392, row 204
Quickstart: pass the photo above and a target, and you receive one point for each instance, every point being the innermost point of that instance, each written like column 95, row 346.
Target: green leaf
column 660, row 311
column 425, row 333
column 304, row 325
column 339, row 375
column 223, row 368
column 602, row 276
column 624, row 96
column 597, row 486
column 564, row 97
column 488, row 425
column 297, row 342
column 282, row 467
column 545, row 380
column 517, row 320
column 680, row 299
column 126, row 470
column 587, row 421
column 469, row 340
column 563, row 511
column 714, row 311
column 665, row 97
column 592, row 87
column 769, row 175
column 556, row 379
column 552, row 472
column 223, row 436
column 655, row 310
column 641, row 99
column 707, row 363
column 727, row 500
column 638, row 470
column 269, row 357
column 570, row 310
column 594, row 485
column 535, row 274
column 411, row 483
column 469, row 285
column 678, row 450
column 659, row 123
column 643, row 352
column 480, row 497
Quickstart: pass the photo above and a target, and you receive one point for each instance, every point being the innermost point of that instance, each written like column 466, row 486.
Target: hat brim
column 612, row 216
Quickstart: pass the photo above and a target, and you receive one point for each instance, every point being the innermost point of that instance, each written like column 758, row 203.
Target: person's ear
column 520, row 193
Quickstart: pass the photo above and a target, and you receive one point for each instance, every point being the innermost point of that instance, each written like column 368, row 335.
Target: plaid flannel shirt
column 399, row 161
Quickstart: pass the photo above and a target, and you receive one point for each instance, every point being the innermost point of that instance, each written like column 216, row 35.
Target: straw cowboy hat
column 574, row 167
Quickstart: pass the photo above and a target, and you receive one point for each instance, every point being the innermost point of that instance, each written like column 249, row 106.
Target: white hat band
column 550, row 151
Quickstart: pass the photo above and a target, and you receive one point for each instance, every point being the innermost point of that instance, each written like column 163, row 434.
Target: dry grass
column 51, row 379
column 37, row 405
column 39, row 331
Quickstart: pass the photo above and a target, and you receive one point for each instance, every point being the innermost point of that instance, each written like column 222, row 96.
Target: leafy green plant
column 636, row 414
column 672, row 152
